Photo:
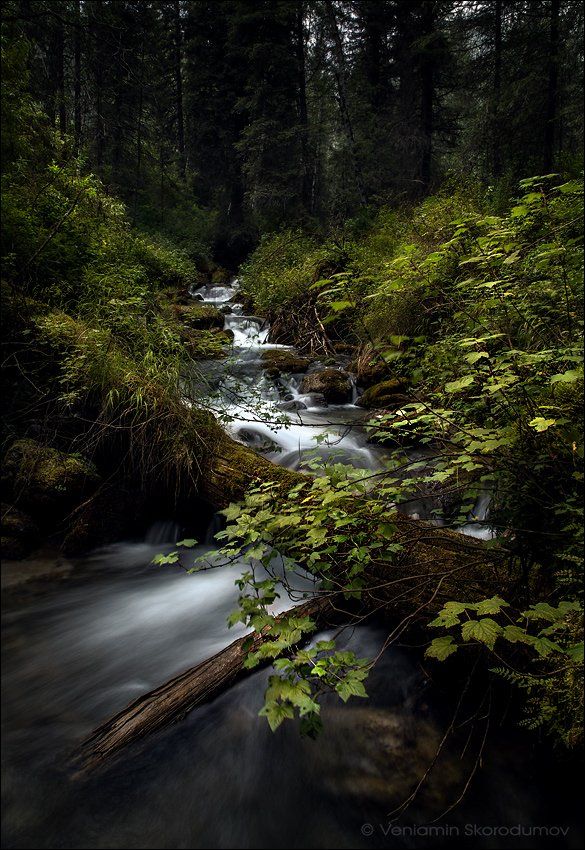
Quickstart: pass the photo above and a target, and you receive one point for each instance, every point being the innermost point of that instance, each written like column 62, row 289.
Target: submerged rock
column 334, row 384
column 386, row 394
column 280, row 360
column 44, row 480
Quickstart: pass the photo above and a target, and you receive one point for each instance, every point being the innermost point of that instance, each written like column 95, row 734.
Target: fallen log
column 177, row 697
column 435, row 565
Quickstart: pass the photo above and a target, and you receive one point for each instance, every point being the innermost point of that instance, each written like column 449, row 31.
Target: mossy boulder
column 334, row 384
column 220, row 276
column 19, row 533
column 279, row 360
column 44, row 480
column 369, row 374
column 386, row 394
column 199, row 317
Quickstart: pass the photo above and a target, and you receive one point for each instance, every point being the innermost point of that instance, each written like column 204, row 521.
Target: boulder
column 334, row 384
column 387, row 394
column 199, row 317
column 46, row 481
column 279, row 360
column 369, row 374
column 19, row 533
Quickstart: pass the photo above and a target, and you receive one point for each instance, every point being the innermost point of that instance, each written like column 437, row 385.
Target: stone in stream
column 334, row 384
column 387, row 394
column 280, row 360
column 199, row 317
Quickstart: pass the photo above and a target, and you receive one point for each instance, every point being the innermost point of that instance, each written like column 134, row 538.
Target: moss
column 280, row 360
column 220, row 276
column 199, row 316
column 386, row 394
column 334, row 384
column 19, row 533
column 45, row 480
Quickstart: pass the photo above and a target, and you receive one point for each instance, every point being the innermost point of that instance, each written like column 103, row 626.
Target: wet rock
column 199, row 317
column 20, row 533
column 220, row 276
column 279, row 360
column 292, row 404
column 226, row 309
column 334, row 384
column 387, row 394
column 45, row 481
column 369, row 374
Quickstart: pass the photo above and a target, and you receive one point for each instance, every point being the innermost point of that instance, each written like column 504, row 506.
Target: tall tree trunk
column 427, row 92
column 100, row 135
column 178, row 55
column 138, row 177
column 303, row 112
column 77, row 76
column 496, row 141
column 552, row 88
column 341, row 80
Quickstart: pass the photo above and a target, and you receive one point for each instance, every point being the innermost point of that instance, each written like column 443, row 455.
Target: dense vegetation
column 370, row 165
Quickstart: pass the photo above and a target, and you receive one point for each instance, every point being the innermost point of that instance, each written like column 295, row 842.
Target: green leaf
column 568, row 377
column 461, row 384
column 541, row 424
column 189, row 542
column 485, row 631
column 491, row 606
column 441, row 648
column 475, row 356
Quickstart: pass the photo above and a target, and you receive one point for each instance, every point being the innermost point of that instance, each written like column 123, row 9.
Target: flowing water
column 82, row 650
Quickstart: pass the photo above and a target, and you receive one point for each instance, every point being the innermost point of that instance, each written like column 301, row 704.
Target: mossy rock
column 13, row 549
column 45, row 481
column 369, row 374
column 220, row 276
column 20, row 533
column 278, row 360
column 334, row 384
column 386, row 394
column 199, row 317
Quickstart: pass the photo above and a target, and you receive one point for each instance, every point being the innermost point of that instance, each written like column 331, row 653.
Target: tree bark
column 177, row 697
column 178, row 51
column 342, row 88
column 77, row 77
column 496, row 141
column 552, row 88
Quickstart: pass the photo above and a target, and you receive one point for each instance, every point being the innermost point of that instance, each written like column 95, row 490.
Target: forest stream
column 76, row 653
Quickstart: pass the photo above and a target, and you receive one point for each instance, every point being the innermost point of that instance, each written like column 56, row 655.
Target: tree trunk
column 552, row 89
column 341, row 79
column 303, row 112
column 77, row 77
column 177, row 697
column 427, row 94
column 496, row 144
column 178, row 42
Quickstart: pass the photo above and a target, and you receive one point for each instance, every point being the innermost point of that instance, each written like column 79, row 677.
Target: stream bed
column 81, row 650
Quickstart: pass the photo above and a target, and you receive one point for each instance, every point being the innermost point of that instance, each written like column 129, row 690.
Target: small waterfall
column 162, row 531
